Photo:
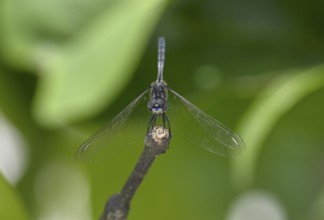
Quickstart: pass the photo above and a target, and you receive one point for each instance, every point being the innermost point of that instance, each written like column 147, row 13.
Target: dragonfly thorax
column 159, row 90
column 158, row 103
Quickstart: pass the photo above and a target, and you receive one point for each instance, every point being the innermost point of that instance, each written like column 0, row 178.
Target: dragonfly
column 213, row 135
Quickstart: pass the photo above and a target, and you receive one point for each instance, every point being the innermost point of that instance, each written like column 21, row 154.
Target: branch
column 156, row 142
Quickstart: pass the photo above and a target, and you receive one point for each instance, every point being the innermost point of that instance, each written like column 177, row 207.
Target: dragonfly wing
column 104, row 138
column 215, row 137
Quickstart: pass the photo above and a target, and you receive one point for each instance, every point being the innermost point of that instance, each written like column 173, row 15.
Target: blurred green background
column 67, row 67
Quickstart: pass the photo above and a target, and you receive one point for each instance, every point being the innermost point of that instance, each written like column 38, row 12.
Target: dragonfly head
column 157, row 106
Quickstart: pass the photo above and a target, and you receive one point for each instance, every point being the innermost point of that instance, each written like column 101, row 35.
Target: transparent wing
column 113, row 136
column 210, row 134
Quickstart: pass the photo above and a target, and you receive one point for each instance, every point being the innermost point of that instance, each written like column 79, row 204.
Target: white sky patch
column 256, row 205
column 13, row 152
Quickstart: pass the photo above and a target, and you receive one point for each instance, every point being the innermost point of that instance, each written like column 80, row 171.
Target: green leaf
column 316, row 210
column 81, row 77
column 273, row 103
column 11, row 206
column 84, row 54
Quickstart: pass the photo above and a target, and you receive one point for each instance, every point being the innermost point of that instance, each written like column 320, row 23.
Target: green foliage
column 101, row 46
column 67, row 67
column 273, row 103
column 11, row 206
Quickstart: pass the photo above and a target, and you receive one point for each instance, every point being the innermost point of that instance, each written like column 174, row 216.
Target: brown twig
column 156, row 142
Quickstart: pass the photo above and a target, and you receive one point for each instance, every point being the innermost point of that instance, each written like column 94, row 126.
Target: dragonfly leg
column 154, row 120
column 165, row 119
column 151, row 123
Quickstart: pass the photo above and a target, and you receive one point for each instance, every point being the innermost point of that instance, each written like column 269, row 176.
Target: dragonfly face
column 158, row 103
